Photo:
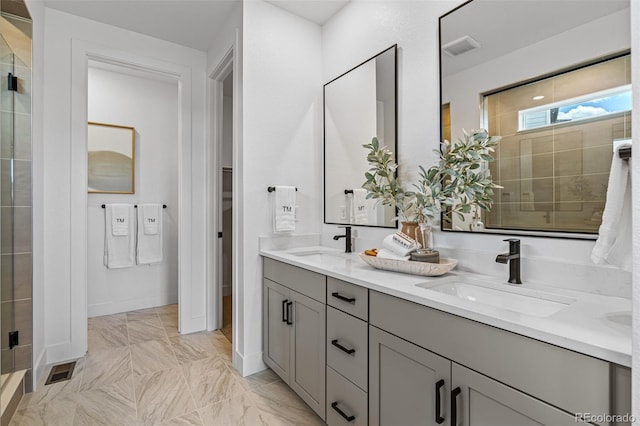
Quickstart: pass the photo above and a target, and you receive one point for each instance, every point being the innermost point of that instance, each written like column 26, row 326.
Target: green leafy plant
column 456, row 184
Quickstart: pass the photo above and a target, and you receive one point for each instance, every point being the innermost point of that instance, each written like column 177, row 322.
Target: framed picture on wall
column 111, row 158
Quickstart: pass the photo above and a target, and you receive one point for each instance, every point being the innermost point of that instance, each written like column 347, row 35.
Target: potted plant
column 456, row 184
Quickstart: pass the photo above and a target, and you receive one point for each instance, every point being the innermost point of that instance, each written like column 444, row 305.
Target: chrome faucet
column 513, row 257
column 347, row 237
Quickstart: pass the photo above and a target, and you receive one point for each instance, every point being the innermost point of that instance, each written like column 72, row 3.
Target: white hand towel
column 284, row 209
column 360, row 215
column 388, row 254
column 400, row 244
column 150, row 234
column 613, row 246
column 120, row 219
column 151, row 217
column 120, row 244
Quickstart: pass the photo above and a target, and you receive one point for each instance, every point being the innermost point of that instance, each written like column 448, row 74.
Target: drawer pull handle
column 284, row 310
column 335, row 343
column 334, row 405
column 289, row 320
column 439, row 385
column 351, row 300
column 454, row 406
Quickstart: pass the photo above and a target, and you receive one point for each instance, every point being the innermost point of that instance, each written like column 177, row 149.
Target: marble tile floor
column 140, row 371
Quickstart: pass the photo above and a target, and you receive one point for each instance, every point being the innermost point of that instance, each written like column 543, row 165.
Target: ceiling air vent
column 460, row 46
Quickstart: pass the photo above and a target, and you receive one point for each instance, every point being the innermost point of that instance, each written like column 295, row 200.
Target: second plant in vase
column 457, row 184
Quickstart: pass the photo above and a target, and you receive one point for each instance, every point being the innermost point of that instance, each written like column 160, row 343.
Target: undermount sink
column 322, row 256
column 502, row 296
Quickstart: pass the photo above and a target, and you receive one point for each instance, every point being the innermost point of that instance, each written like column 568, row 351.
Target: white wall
column 150, row 105
column 64, row 334
column 282, row 104
column 363, row 28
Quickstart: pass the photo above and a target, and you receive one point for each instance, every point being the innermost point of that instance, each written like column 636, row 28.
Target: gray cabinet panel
column 337, row 290
column 350, row 333
column 348, row 398
column 276, row 333
column 566, row 379
column 621, row 393
column 297, row 279
column 402, row 382
column 486, row 402
column 307, row 377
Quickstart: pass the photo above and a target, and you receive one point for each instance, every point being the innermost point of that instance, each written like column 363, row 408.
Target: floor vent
column 60, row 373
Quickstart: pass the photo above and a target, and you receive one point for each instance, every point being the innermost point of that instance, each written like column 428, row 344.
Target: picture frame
column 111, row 158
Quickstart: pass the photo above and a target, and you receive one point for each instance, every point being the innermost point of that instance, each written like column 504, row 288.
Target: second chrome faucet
column 513, row 258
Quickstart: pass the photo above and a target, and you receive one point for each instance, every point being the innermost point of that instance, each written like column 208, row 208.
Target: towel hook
column 348, row 191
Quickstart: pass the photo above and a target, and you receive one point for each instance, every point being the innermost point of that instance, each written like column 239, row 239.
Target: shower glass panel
column 16, row 313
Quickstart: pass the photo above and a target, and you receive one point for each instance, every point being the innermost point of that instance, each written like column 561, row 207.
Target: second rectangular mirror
column 358, row 105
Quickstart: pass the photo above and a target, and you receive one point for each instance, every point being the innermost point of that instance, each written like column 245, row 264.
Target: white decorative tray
column 411, row 267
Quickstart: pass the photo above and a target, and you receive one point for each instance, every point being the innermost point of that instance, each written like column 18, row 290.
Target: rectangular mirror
column 111, row 158
column 358, row 105
column 553, row 79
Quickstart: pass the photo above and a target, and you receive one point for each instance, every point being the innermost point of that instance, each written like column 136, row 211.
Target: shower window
column 557, row 144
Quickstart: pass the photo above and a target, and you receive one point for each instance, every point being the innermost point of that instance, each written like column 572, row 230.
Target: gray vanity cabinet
column 486, row 402
column 277, row 332
column 294, row 330
column 406, row 382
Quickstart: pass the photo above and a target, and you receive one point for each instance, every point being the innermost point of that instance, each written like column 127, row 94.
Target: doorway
column 226, row 203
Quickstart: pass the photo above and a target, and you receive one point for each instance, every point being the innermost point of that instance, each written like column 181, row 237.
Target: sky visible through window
column 583, row 108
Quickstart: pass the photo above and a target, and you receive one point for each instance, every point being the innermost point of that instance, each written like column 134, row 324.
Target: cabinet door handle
column 284, row 310
column 439, row 385
column 335, row 343
column 334, row 405
column 454, row 406
column 351, row 300
column 289, row 320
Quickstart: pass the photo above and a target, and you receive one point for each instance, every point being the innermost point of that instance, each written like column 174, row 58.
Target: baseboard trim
column 100, row 309
column 39, row 366
column 248, row 365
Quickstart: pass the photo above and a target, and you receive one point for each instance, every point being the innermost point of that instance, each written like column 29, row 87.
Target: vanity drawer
column 309, row 283
column 357, row 298
column 347, row 348
column 343, row 396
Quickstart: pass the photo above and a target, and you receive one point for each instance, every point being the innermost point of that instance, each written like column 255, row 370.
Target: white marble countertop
column 595, row 325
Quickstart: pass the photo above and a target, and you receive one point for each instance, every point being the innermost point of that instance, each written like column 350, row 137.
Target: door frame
column 214, row 195
column 82, row 51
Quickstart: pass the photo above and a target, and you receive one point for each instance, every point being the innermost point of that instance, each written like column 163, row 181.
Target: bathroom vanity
column 362, row 346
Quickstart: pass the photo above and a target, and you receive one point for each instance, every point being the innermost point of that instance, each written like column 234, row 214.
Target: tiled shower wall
column 16, row 244
column 555, row 177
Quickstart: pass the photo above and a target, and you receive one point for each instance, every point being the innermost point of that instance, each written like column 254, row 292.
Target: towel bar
column 164, row 206
column 273, row 188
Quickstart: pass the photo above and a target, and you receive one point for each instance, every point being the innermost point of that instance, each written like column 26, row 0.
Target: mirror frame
column 569, row 235
column 324, row 137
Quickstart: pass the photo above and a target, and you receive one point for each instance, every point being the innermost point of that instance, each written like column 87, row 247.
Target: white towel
column 284, row 214
column 119, row 241
column 150, row 234
column 120, row 220
column 388, row 254
column 400, row 244
column 359, row 214
column 614, row 240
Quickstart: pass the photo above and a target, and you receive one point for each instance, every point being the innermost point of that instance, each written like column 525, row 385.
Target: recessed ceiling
column 191, row 23
column 318, row 11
